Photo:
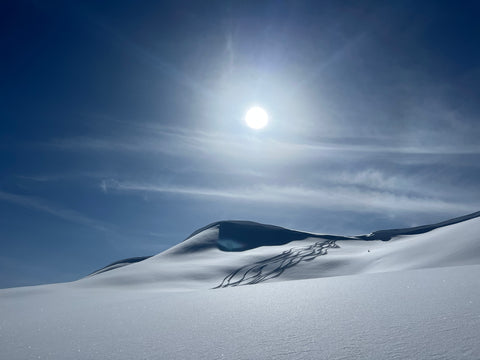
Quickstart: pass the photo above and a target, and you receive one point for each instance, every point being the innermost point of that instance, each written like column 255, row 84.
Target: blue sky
column 121, row 123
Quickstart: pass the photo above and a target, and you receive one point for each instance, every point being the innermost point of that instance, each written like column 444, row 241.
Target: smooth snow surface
column 416, row 296
column 422, row 314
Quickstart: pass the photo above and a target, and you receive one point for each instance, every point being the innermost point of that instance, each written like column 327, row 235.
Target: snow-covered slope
column 231, row 253
column 410, row 294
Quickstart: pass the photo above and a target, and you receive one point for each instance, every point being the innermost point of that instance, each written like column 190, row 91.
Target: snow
column 415, row 296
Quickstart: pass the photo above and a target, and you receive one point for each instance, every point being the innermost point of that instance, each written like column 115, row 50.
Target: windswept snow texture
column 421, row 314
column 409, row 294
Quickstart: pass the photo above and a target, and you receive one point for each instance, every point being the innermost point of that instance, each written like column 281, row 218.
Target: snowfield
column 393, row 294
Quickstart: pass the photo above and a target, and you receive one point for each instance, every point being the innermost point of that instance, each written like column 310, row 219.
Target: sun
column 256, row 118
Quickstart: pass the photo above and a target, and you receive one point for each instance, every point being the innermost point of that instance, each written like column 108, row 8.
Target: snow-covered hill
column 231, row 253
column 410, row 293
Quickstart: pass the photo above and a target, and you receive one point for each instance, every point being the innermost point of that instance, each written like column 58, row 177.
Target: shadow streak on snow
column 274, row 266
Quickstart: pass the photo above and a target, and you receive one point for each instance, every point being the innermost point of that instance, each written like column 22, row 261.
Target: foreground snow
column 415, row 296
column 419, row 314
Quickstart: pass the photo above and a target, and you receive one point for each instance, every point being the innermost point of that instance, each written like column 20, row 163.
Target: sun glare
column 256, row 118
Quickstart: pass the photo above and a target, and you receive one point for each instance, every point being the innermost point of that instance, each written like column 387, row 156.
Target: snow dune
column 409, row 294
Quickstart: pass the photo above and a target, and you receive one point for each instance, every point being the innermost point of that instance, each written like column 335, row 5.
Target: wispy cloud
column 332, row 198
column 57, row 176
column 221, row 145
column 38, row 178
column 43, row 206
column 337, row 173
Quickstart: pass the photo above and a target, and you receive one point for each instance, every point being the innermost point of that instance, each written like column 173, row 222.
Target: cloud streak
column 332, row 198
column 337, row 173
column 62, row 213
column 182, row 144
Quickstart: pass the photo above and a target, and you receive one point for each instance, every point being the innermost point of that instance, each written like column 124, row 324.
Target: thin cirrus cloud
column 180, row 143
column 326, row 198
column 341, row 174
column 335, row 188
column 59, row 212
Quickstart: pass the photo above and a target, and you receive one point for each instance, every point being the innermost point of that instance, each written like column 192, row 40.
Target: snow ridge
column 386, row 235
column 118, row 264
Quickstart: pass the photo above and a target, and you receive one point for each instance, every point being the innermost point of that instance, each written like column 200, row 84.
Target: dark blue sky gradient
column 121, row 127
